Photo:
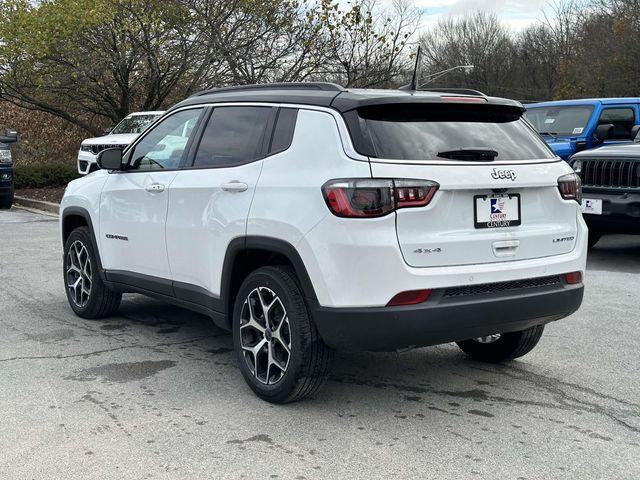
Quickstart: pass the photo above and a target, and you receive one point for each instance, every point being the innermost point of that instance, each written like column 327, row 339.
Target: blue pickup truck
column 6, row 168
column 570, row 126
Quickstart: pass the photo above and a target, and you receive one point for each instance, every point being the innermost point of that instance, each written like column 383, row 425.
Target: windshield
column 570, row 120
column 134, row 124
column 456, row 132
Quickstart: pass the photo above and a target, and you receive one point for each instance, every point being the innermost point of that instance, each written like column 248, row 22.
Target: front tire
column 280, row 353
column 500, row 347
column 87, row 294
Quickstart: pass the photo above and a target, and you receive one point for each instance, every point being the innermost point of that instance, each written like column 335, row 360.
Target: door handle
column 154, row 188
column 234, row 187
column 505, row 249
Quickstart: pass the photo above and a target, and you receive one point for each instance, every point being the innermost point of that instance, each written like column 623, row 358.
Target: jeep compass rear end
column 307, row 218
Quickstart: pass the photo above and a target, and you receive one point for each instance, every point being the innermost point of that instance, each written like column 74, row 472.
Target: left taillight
column 570, row 187
column 369, row 198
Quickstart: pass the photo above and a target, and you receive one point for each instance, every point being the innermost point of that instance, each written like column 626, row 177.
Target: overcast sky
column 516, row 14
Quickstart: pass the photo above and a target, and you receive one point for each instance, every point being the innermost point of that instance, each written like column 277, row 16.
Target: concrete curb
column 37, row 204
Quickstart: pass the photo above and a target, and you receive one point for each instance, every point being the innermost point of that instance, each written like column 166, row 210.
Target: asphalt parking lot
column 155, row 392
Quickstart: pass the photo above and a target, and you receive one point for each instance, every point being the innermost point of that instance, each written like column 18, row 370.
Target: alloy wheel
column 79, row 273
column 265, row 335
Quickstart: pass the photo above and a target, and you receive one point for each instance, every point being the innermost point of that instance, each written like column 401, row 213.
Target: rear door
column 209, row 200
column 498, row 198
column 133, row 203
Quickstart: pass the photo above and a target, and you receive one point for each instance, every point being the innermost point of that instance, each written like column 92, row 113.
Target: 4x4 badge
column 503, row 174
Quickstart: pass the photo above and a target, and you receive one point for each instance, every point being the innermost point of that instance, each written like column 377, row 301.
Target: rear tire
column 280, row 353
column 87, row 294
column 594, row 237
column 509, row 346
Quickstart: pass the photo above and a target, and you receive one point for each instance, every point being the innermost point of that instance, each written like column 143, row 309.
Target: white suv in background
column 307, row 218
column 119, row 136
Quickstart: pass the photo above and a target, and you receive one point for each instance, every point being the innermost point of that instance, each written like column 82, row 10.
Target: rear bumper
column 444, row 319
column 620, row 212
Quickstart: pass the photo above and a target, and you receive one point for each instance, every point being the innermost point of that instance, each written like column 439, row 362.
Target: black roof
column 334, row 96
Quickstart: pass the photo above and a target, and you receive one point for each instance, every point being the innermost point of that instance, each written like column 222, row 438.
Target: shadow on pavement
column 432, row 376
column 616, row 253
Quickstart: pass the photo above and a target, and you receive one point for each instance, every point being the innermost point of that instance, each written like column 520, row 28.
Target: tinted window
column 421, row 132
column 622, row 119
column 570, row 120
column 233, row 136
column 283, row 132
column 163, row 147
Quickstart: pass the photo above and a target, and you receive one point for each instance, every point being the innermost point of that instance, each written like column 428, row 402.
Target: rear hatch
column 498, row 199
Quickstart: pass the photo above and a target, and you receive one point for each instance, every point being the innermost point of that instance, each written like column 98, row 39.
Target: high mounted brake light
column 461, row 99
column 370, row 198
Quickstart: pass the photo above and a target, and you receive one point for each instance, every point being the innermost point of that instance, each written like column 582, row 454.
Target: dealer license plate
column 497, row 211
column 592, row 206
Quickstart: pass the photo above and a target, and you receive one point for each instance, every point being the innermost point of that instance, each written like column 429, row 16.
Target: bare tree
column 367, row 45
column 260, row 41
column 477, row 39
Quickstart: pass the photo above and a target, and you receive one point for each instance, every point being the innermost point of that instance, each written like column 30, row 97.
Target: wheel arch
column 74, row 217
column 246, row 254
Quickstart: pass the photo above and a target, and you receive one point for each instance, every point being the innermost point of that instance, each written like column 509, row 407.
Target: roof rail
column 324, row 86
column 459, row 91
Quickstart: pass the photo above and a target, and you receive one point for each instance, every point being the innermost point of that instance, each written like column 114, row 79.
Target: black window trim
column 270, row 149
column 131, row 148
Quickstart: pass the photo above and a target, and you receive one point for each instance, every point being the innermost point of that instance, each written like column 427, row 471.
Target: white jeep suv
column 119, row 136
column 307, row 218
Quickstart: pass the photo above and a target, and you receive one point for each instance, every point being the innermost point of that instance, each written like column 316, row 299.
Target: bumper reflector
column 573, row 277
column 410, row 297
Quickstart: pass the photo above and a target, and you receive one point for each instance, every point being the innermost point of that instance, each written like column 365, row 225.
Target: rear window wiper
column 470, row 154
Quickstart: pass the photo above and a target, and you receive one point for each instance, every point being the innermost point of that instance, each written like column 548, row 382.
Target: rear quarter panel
column 288, row 201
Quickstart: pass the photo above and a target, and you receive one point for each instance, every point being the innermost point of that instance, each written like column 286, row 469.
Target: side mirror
column 634, row 133
column 107, row 130
column 603, row 132
column 110, row 159
column 10, row 136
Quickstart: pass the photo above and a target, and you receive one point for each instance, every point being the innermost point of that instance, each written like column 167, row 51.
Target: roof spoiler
column 457, row 91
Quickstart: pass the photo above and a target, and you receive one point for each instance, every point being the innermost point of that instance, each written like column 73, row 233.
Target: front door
column 133, row 204
column 209, row 201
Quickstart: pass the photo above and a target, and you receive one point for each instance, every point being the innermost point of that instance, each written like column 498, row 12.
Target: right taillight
column 369, row 198
column 570, row 187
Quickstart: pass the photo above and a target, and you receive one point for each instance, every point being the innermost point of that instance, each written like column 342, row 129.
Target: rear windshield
column 429, row 131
